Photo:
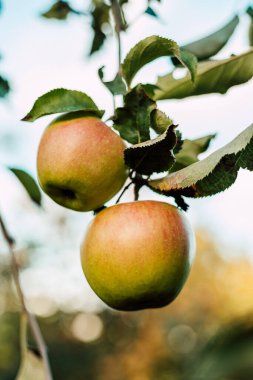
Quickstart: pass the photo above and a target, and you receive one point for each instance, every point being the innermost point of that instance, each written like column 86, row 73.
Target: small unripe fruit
column 138, row 255
column 80, row 162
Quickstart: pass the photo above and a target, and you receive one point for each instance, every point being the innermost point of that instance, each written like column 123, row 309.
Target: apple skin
column 138, row 255
column 80, row 162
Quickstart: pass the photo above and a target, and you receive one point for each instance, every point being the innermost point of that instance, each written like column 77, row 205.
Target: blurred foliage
column 207, row 333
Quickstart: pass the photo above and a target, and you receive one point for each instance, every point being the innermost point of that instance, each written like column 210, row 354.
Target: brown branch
column 31, row 318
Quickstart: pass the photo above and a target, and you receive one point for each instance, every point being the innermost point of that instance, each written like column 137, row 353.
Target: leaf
column 159, row 121
column 116, row 86
column 148, row 50
column 29, row 184
column 190, row 150
column 133, row 121
column 250, row 13
column 212, row 44
column 153, row 156
column 59, row 11
column 150, row 11
column 213, row 174
column 4, row 87
column 61, row 100
column 32, row 367
column 212, row 76
column 100, row 18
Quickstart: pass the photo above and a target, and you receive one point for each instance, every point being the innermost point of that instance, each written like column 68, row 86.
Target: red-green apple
column 138, row 255
column 80, row 162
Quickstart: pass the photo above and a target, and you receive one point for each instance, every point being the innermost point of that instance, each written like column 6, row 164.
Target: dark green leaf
column 212, row 44
column 100, row 18
column 150, row 11
column 250, row 13
column 190, row 61
column 190, row 151
column 61, row 100
column 212, row 76
column 29, row 184
column 4, row 87
column 213, row 174
column 159, row 121
column 153, row 156
column 59, row 10
column 116, row 86
column 148, row 50
column 133, row 121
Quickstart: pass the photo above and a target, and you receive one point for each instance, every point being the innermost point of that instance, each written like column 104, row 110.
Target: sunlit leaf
column 159, row 121
column 148, row 50
column 153, row 156
column 212, row 76
column 213, row 174
column 61, row 100
column 212, row 44
column 190, row 151
column 29, row 184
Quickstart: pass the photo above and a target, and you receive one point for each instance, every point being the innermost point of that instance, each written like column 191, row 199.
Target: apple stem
column 30, row 317
column 123, row 191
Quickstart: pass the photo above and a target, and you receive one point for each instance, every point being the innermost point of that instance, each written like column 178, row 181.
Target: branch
column 31, row 318
column 120, row 26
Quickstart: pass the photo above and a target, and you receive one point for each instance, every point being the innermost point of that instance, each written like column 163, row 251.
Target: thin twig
column 31, row 318
column 120, row 26
column 123, row 192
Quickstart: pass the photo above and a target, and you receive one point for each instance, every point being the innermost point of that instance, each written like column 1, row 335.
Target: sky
column 40, row 55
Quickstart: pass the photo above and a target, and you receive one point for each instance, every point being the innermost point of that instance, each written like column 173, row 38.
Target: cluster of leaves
column 139, row 118
column 99, row 13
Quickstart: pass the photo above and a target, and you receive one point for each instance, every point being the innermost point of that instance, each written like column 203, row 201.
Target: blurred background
column 207, row 333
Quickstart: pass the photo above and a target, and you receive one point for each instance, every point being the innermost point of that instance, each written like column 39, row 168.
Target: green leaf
column 212, row 44
column 61, row 100
column 100, row 18
column 150, row 11
column 4, row 87
column 213, row 174
column 116, row 86
column 212, row 76
column 250, row 13
column 133, row 121
column 190, row 151
column 29, row 184
column 146, row 51
column 159, row 121
column 59, row 10
column 153, row 156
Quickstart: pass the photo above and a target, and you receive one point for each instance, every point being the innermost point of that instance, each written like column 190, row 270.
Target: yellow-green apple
column 80, row 162
column 138, row 255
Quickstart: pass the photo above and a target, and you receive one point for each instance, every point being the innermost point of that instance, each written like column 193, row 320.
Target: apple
column 138, row 255
column 80, row 162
